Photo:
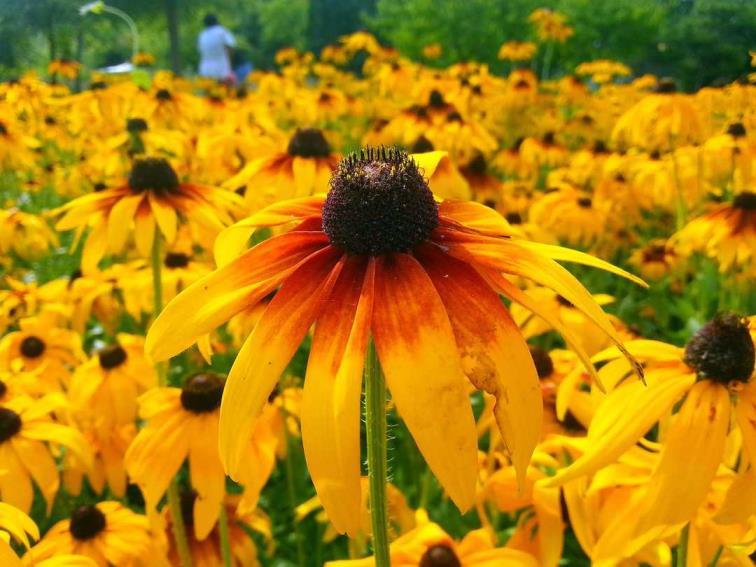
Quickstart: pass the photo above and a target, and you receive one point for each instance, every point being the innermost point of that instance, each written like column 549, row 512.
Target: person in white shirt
column 215, row 43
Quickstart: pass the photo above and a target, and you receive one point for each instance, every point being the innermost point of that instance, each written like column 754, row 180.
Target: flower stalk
column 174, row 500
column 375, row 421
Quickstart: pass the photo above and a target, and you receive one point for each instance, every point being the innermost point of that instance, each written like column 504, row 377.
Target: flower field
column 365, row 311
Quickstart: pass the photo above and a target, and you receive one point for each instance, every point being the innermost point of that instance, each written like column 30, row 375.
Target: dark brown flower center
column 202, row 393
column 136, row 125
column 10, row 424
column 585, row 202
column 655, row 253
column 439, row 555
column 745, row 200
column 379, row 203
column 666, row 85
column 87, row 522
column 3, row 129
column 436, row 99
column 309, row 143
column 176, row 260
column 477, row 165
column 153, row 174
column 163, row 94
column 543, row 363
column 514, row 218
column 722, row 350
column 33, row 347
column 421, row 145
column 736, row 130
column 112, row 356
column 571, row 423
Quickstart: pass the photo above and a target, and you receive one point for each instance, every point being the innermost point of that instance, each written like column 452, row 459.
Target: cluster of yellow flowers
column 253, row 216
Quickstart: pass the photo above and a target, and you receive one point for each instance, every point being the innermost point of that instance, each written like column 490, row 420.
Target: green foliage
column 699, row 42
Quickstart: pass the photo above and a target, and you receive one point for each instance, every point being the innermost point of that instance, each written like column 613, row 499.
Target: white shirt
column 212, row 44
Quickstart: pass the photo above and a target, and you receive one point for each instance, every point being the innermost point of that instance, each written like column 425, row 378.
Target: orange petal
column 417, row 351
column 218, row 296
column 331, row 401
column 494, row 353
column 267, row 351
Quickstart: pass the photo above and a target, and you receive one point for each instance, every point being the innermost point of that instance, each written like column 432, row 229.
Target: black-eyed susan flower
column 26, row 235
column 182, row 424
column 726, row 234
column 26, row 429
column 302, row 169
column 104, row 390
column 152, row 196
column 517, row 50
column 713, row 377
column 41, row 342
column 378, row 256
column 107, row 532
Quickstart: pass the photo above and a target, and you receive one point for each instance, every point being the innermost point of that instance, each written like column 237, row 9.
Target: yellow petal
column 418, row 354
column 267, row 351
column 165, row 216
column 624, row 416
column 121, row 220
column 331, row 401
column 233, row 240
column 692, row 453
column 427, row 162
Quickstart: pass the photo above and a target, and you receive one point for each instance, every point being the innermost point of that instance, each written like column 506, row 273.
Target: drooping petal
column 624, row 416
column 218, row 296
column 94, row 248
column 495, row 356
column 304, row 170
column 206, row 472
column 165, row 216
column 232, row 241
column 267, row 351
column 692, row 453
column 512, row 292
column 41, row 466
column 419, row 357
column 330, row 410
column 510, row 257
column 121, row 220
column 745, row 413
column 144, row 230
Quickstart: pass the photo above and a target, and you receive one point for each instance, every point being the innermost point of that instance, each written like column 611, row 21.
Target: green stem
column 375, row 420
column 157, row 296
column 177, row 521
column 174, row 500
column 682, row 547
column 225, row 539
column 292, row 492
column 715, row 558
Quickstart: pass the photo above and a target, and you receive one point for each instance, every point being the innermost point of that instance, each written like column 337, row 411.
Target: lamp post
column 100, row 7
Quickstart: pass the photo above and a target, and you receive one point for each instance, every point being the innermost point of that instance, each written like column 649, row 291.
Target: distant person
column 215, row 44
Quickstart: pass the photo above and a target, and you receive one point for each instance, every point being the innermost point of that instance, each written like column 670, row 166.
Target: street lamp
column 100, row 7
